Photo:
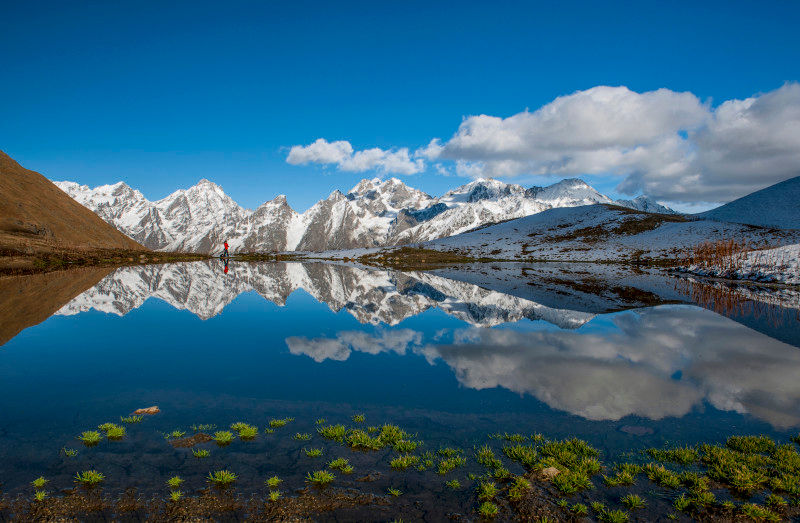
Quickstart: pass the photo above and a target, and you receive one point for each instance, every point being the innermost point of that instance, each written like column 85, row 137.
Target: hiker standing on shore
column 225, row 252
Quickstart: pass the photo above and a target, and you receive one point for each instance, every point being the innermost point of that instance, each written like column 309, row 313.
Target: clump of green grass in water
column 622, row 477
column 702, row 498
column 358, row 418
column 425, row 461
column 177, row 433
column 453, row 484
column 693, row 480
column 274, row 495
column 741, row 472
column 313, row 452
column 404, row 461
column 775, row 501
column 570, row 482
column 131, row 419
column 320, row 478
column 89, row 478
column 203, row 427
column 333, row 432
column 223, row 437
column 598, row 507
column 632, row 501
column 487, row 509
column 614, row 516
column 486, row 457
column 682, row 503
column 248, row 433
column 360, row 440
column 394, row 492
column 90, row 438
column 575, row 459
column 563, row 503
column 200, row 453
column 758, row 513
column 518, row 488
column 175, row 496
column 39, row 495
column 449, row 452
column 525, row 455
column 449, row 464
column 222, row 478
column 278, row 423
column 662, row 476
column 341, row 464
column 105, row 426
column 273, row 482
column 174, row 482
column 579, row 509
column 487, row 490
column 680, row 455
column 302, row 436
column 751, row 444
column 39, row 483
column 70, row 453
column 239, row 425
column 115, row 433
column 405, row 445
column 320, row 421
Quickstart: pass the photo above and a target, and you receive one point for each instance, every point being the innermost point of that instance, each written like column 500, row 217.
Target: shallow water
column 451, row 355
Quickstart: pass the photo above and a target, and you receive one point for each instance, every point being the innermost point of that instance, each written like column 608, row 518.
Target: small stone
column 550, row 472
column 148, row 411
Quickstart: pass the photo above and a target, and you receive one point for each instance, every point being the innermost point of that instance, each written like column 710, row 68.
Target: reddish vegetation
column 723, row 255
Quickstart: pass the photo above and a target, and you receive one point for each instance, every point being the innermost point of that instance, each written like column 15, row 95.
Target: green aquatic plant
column 486, row 457
column 758, row 513
column 360, row 440
column 333, row 432
column 488, row 509
column 632, row 501
column 622, row 477
column 222, row 478
column 680, row 455
column 273, row 482
column 174, row 482
column 448, row 464
column 487, row 490
column 115, row 433
column 405, row 445
column 682, row 503
column 358, row 418
column 302, row 436
column 320, row 421
column 39, row 495
column 175, row 495
column 775, row 501
column 238, row 425
column 320, row 478
column 518, row 488
column 177, row 433
column 278, row 423
column 579, row 509
column 201, row 453
column 70, row 453
column 741, row 472
column 223, row 437
column 572, row 481
column 614, row 516
column 702, row 498
column 339, row 464
column 373, row 430
column 693, row 480
column 392, row 434
column 449, row 452
column 404, row 461
column 525, row 455
column 90, row 438
column 501, row 473
column 89, row 478
column 274, row 495
column 131, row 419
column 203, row 427
column 426, row 461
column 313, row 452
column 661, row 476
column 394, row 492
column 453, row 484
column 248, row 432
column 751, row 444
column 598, row 506
column 39, row 483
column 106, row 426
column 562, row 503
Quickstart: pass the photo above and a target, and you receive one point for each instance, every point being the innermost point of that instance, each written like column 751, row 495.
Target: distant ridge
column 37, row 216
column 775, row 206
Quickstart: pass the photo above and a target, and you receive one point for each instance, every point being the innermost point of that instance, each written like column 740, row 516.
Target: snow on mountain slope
column 375, row 297
column 600, row 232
column 374, row 213
column 775, row 206
column 646, row 204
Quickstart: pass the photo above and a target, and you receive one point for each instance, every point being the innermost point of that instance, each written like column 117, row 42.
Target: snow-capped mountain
column 374, row 297
column 374, row 213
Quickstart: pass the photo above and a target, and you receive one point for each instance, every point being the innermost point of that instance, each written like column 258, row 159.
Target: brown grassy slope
column 29, row 300
column 37, row 216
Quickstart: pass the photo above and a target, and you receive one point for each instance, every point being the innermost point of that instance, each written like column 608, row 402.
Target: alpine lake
column 485, row 392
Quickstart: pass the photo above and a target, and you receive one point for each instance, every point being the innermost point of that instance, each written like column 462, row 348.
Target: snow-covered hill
column 599, row 233
column 776, row 206
column 374, row 213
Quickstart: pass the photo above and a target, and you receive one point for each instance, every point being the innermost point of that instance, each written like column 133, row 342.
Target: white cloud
column 341, row 153
column 666, row 144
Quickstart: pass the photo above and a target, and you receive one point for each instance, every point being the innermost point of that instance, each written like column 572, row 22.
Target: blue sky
column 160, row 95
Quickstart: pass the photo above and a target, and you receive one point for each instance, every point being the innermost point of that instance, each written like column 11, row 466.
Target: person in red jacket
column 225, row 253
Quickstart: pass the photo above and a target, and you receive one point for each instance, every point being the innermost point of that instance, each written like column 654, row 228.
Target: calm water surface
column 451, row 355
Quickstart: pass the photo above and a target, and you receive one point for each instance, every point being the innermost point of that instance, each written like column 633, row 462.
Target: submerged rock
column 148, row 411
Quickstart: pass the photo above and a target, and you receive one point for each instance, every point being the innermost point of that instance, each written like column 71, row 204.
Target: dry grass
column 722, row 255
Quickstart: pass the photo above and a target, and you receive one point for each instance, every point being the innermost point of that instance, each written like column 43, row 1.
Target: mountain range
column 374, row 213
